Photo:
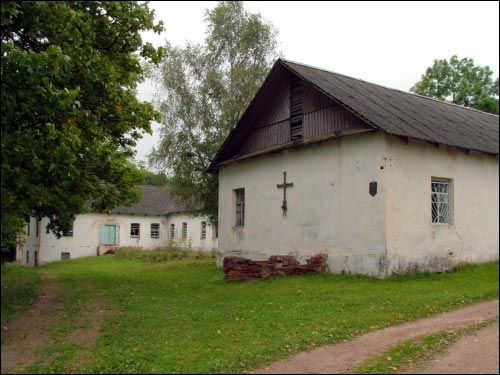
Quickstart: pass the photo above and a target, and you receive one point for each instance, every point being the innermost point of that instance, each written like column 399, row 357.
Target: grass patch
column 416, row 352
column 162, row 255
column 180, row 316
column 20, row 286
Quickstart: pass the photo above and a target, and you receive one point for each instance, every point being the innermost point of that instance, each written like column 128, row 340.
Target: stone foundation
column 241, row 269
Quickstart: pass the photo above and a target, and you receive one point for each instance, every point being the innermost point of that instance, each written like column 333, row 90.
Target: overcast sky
column 386, row 43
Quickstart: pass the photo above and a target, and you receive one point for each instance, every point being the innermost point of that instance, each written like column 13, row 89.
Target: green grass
column 20, row 287
column 161, row 255
column 181, row 316
column 417, row 352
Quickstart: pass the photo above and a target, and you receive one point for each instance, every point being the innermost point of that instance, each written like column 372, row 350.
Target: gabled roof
column 155, row 201
column 397, row 112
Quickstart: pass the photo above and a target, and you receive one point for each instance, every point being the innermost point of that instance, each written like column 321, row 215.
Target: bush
column 162, row 254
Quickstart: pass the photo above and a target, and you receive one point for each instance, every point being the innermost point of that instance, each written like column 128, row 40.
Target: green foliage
column 20, row 286
column 206, row 89
column 462, row 82
column 153, row 178
column 180, row 316
column 70, row 117
column 161, row 255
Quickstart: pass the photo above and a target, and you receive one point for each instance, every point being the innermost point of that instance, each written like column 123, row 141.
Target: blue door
column 107, row 234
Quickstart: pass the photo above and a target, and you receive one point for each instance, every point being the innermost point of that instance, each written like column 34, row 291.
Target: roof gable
column 392, row 111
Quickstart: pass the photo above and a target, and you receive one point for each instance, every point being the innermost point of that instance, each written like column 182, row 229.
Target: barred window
column 65, row 256
column 203, row 230
column 37, row 228
column 135, row 229
column 240, row 207
column 441, row 202
column 155, row 230
column 184, row 230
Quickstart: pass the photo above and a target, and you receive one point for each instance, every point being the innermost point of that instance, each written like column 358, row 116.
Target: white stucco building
column 383, row 181
column 155, row 221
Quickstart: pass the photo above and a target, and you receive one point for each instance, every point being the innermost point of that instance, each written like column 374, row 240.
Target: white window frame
column 155, row 232
column 184, row 230
column 441, row 201
column 239, row 207
column 203, row 230
column 69, row 233
column 135, row 226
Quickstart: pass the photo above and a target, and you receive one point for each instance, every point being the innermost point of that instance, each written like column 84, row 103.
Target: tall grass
column 162, row 254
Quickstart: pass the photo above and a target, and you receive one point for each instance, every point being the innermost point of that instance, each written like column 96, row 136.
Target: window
column 215, row 232
column 37, row 228
column 108, row 234
column 155, row 230
column 172, row 231
column 440, row 201
column 135, row 230
column 240, row 207
column 69, row 232
column 27, row 257
column 28, row 227
column 184, row 231
column 65, row 256
column 296, row 109
column 203, row 230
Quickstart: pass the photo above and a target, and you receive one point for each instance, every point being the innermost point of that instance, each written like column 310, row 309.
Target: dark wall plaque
column 373, row 188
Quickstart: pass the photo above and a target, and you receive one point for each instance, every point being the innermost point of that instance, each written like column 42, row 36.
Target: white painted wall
column 85, row 239
column 331, row 211
column 329, row 206
column 194, row 239
column 412, row 238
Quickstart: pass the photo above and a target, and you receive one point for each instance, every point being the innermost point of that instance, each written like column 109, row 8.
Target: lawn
column 181, row 316
column 19, row 289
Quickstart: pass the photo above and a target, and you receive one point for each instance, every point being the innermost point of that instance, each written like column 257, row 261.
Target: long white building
column 155, row 221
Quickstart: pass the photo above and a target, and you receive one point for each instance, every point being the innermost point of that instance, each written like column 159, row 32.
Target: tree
column 152, row 178
column 460, row 82
column 205, row 89
column 70, row 118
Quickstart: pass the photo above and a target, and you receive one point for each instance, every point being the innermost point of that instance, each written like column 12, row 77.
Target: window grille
column 203, row 230
column 65, row 256
column 172, row 231
column 440, row 201
column 240, row 207
column 135, row 229
column 155, row 230
column 184, row 231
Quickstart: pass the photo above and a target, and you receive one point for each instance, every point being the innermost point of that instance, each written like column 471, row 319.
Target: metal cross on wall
column 283, row 186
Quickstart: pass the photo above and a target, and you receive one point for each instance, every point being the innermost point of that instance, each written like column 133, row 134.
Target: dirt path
column 347, row 356
column 476, row 354
column 26, row 336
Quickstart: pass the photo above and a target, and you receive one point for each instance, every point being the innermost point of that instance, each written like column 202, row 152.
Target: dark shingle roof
column 404, row 114
column 155, row 200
